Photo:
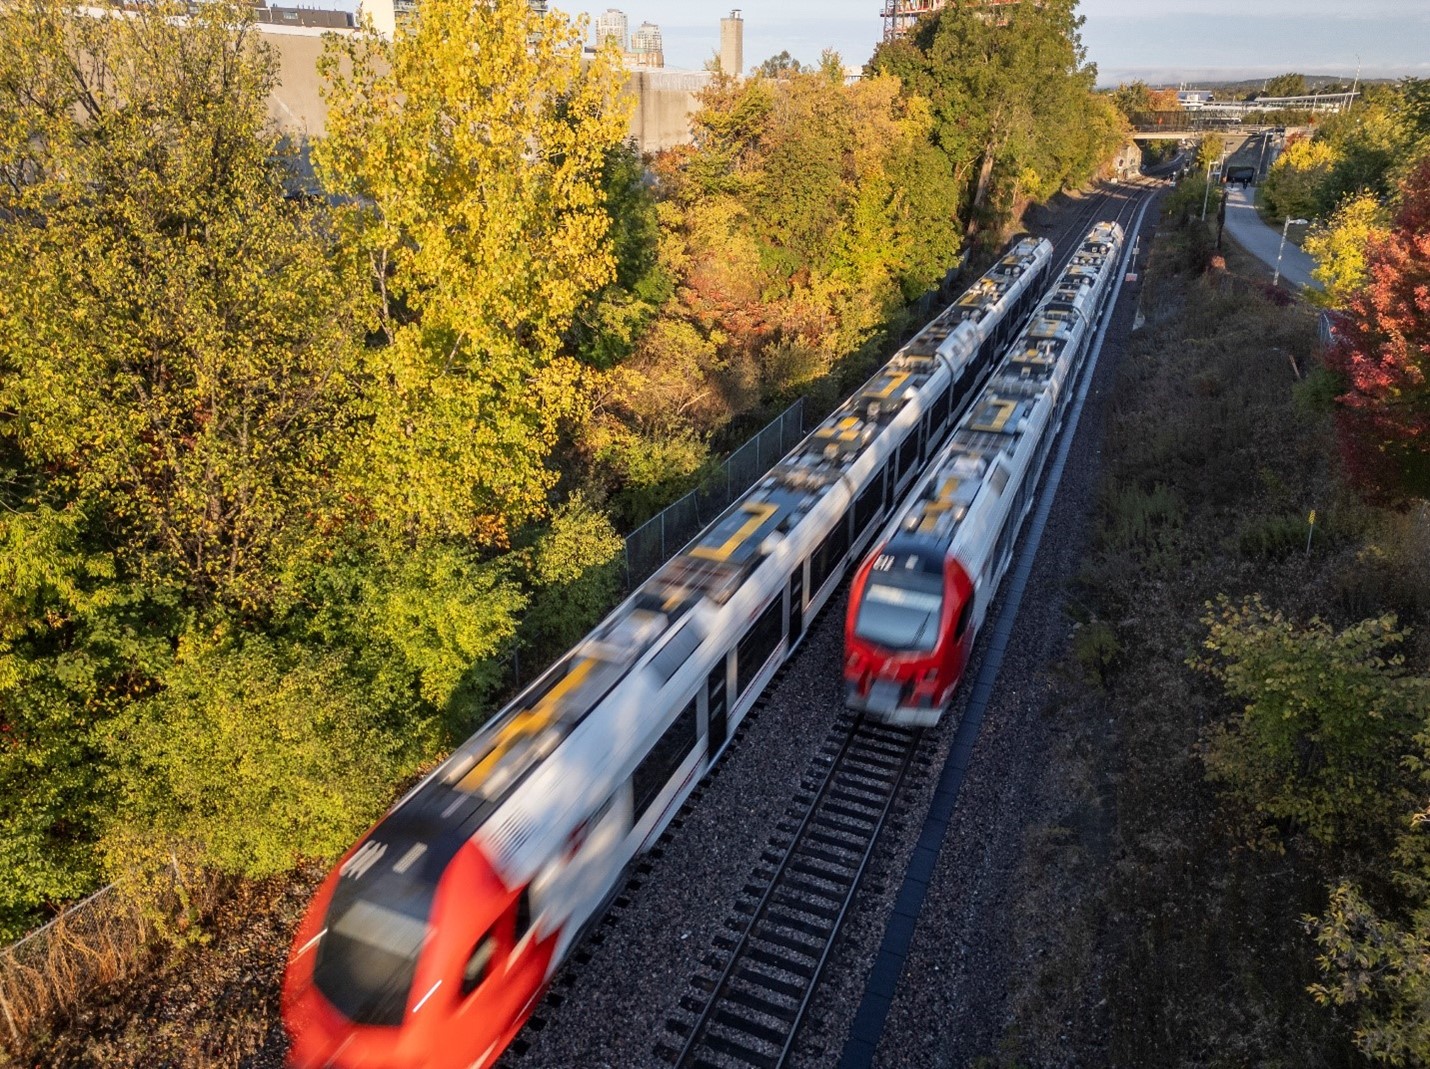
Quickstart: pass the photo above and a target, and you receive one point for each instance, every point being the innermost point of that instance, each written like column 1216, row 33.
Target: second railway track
column 746, row 1006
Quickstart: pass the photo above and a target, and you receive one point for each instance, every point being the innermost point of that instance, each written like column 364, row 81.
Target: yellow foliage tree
column 1293, row 185
column 473, row 143
column 1338, row 246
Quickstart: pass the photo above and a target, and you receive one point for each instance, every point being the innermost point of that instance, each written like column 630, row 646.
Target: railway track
column 746, row 1007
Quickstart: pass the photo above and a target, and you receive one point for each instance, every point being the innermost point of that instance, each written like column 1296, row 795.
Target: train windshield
column 368, row 956
column 900, row 610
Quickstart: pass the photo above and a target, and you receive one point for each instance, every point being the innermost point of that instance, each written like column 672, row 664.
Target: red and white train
column 919, row 598
column 431, row 942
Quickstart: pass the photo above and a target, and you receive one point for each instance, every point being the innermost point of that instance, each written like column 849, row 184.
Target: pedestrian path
column 1263, row 241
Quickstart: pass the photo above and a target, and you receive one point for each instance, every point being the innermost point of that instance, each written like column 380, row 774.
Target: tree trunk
column 985, row 173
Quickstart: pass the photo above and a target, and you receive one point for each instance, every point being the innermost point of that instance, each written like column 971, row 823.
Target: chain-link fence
column 96, row 941
column 660, row 538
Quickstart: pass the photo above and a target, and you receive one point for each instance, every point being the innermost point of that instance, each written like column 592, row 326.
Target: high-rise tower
column 613, row 23
column 732, row 44
column 386, row 14
column 646, row 48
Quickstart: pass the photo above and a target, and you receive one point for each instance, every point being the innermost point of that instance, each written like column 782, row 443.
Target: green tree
column 1132, row 99
column 177, row 364
column 1373, row 956
column 1327, row 717
column 1010, row 95
column 779, row 66
column 1285, row 85
column 1378, row 966
column 153, row 258
column 606, row 328
column 258, row 753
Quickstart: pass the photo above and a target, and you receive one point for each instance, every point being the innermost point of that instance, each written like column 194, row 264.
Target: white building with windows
column 646, row 48
column 613, row 23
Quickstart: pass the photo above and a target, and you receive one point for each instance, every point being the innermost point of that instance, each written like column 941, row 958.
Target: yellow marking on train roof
column 846, row 430
column 895, row 381
column 932, row 512
column 757, row 514
column 988, row 420
column 527, row 722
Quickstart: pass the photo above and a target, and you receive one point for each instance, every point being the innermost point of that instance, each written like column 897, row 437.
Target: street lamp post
column 1276, row 278
column 1208, row 191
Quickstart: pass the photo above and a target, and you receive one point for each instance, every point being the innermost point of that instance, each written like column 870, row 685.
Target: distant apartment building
column 646, row 48
column 612, row 23
column 732, row 44
column 900, row 15
column 386, row 14
column 266, row 14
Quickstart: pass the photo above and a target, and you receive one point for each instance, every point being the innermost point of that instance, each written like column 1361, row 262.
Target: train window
column 942, row 406
column 866, row 507
column 901, row 609
column 998, row 478
column 479, row 965
column 675, row 653
column 368, row 959
column 908, row 454
column 757, row 645
column 827, row 557
column 963, row 618
column 656, row 767
column 523, row 913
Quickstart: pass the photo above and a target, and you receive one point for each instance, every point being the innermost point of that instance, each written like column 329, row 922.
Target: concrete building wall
column 295, row 103
column 665, row 99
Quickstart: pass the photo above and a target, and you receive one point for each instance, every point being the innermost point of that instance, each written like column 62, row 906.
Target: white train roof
column 994, row 425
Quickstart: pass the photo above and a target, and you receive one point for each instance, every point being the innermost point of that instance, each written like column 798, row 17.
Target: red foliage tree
column 1383, row 353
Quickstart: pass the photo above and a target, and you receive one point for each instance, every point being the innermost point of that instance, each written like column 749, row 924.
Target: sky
column 1159, row 41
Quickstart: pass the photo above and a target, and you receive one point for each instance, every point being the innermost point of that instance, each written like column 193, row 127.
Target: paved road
column 1262, row 241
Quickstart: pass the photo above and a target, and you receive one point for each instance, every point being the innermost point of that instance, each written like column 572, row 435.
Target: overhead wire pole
column 1276, row 278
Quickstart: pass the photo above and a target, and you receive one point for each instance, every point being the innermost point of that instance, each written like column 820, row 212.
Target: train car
column 432, row 940
column 918, row 600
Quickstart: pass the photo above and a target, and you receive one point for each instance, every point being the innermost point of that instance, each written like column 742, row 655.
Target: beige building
column 646, row 48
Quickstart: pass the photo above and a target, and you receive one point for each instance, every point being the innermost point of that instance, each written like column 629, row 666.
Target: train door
column 796, row 604
column 717, row 708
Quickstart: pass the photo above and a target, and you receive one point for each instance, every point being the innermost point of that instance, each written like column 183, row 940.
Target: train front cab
column 907, row 635
column 400, row 967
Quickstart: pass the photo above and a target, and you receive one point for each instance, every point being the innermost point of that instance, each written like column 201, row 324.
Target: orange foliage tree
column 1383, row 353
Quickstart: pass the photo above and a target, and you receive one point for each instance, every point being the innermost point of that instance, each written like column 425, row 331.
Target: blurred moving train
column 919, row 598
column 431, row 942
